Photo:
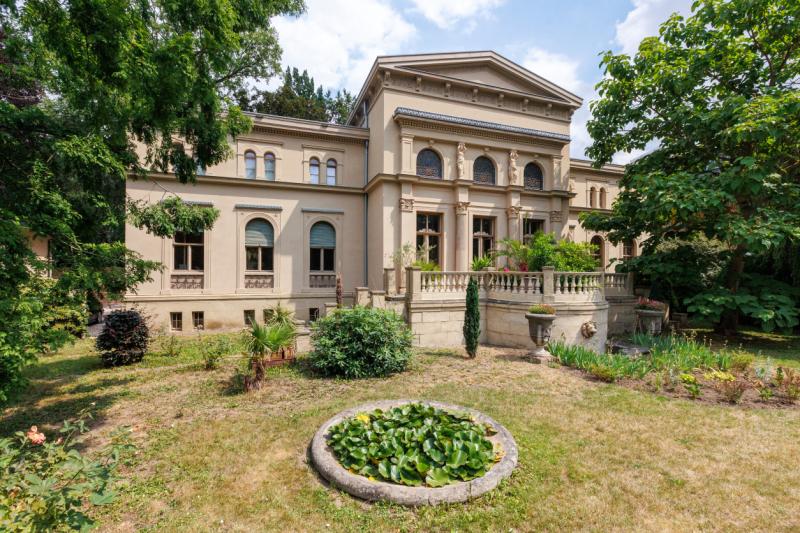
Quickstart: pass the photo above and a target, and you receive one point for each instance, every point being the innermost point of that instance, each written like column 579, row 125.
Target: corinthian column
column 462, row 236
column 512, row 212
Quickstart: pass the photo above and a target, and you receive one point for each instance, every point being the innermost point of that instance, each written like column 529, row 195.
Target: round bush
column 124, row 338
column 360, row 342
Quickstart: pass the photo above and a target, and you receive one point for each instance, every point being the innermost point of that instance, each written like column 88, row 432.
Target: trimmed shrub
column 124, row 338
column 360, row 343
column 472, row 319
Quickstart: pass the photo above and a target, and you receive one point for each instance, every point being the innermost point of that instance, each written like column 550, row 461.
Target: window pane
column 180, row 260
column 331, row 175
column 269, row 167
column 433, row 223
column 249, row 165
column 314, row 170
column 252, row 258
column 476, row 225
column 329, row 253
column 315, row 259
column 180, row 236
column 420, row 242
column 421, row 222
column 433, row 248
column 197, row 258
column 194, row 238
column 266, row 259
column 429, row 164
column 483, row 171
column 475, row 247
column 534, row 180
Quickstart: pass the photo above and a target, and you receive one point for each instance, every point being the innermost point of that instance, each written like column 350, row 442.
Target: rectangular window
column 259, row 258
column 176, row 321
column 429, row 237
column 198, row 319
column 530, row 227
column 482, row 236
column 188, row 253
column 331, row 174
column 313, row 314
column 249, row 317
column 322, row 259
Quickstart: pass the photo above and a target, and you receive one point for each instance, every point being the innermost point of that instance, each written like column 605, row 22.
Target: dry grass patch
column 592, row 456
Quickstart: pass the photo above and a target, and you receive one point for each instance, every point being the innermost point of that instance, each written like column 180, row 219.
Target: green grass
column 592, row 456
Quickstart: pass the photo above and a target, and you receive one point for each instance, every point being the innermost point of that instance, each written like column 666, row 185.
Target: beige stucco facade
column 479, row 113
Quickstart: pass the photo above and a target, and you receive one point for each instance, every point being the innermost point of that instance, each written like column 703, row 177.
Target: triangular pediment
column 484, row 68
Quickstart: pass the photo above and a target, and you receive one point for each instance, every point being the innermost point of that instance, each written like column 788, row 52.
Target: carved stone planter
column 539, row 326
column 650, row 321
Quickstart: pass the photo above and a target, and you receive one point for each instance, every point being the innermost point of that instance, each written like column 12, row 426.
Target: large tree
column 300, row 97
column 714, row 98
column 81, row 81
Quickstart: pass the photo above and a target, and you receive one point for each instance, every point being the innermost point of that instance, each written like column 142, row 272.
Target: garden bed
column 683, row 367
column 328, row 460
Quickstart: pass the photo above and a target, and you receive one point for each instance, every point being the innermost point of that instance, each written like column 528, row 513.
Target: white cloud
column 644, row 19
column 558, row 68
column 447, row 13
column 337, row 40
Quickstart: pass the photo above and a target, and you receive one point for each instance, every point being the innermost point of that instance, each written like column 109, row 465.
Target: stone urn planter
column 650, row 320
column 540, row 321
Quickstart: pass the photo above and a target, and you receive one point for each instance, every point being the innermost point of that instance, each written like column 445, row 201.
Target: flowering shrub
column 646, row 304
column 46, row 485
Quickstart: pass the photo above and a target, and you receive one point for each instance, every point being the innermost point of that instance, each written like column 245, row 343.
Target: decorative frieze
column 259, row 281
column 406, row 204
column 186, row 281
column 556, row 216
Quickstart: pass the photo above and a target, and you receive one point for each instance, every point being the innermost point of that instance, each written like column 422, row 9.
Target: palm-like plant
column 279, row 316
column 262, row 342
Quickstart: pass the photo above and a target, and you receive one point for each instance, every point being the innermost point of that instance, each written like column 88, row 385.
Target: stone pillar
column 390, row 281
column 361, row 296
column 413, row 283
column 548, row 284
column 406, row 154
column 463, row 240
column 512, row 212
column 379, row 299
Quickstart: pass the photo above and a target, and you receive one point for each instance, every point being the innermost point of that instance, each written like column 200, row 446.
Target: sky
column 561, row 40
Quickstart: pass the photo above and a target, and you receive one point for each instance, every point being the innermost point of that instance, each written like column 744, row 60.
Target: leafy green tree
column 716, row 95
column 472, row 319
column 80, row 82
column 300, row 97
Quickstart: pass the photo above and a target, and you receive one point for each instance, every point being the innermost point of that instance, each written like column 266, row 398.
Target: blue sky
column 337, row 40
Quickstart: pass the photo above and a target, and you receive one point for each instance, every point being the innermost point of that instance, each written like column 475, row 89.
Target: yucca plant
column 279, row 316
column 262, row 342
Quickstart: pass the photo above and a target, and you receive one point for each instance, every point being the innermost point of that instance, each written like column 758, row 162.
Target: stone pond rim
column 326, row 464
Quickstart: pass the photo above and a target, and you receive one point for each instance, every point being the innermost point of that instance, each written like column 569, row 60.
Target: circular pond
column 468, row 470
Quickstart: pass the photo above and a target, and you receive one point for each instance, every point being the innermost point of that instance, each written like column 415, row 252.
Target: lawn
column 592, row 456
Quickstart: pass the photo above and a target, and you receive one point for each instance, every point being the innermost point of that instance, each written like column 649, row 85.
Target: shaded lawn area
column 592, row 456
column 781, row 350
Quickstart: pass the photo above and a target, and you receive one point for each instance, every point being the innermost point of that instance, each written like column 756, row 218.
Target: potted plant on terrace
column 540, row 320
column 650, row 315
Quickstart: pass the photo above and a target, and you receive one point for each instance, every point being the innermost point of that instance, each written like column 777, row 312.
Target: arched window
column 534, row 180
column 259, row 243
column 599, row 251
column 313, row 170
column 483, row 171
column 603, row 197
column 429, row 164
column 330, row 176
column 269, row 166
column 250, row 164
column 592, row 197
column 323, row 247
column 628, row 249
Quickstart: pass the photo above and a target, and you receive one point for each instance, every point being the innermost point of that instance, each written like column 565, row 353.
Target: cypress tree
column 472, row 319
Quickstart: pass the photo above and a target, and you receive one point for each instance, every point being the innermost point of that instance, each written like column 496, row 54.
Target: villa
column 448, row 153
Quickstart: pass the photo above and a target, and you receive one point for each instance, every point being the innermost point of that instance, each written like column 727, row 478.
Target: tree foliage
column 300, row 97
column 80, row 82
column 717, row 95
column 542, row 250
